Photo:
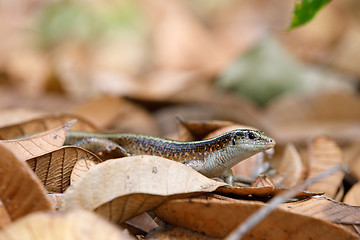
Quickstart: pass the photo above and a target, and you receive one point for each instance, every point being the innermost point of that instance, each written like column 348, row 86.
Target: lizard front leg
column 228, row 177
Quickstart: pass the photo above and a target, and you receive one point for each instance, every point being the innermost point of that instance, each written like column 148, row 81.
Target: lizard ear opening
column 233, row 140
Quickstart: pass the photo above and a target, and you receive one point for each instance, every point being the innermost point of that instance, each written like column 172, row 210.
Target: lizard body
column 212, row 157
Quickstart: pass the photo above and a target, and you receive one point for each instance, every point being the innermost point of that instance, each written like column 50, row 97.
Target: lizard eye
column 233, row 141
column 252, row 135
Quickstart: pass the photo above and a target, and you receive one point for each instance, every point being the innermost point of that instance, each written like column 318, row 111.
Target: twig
column 255, row 218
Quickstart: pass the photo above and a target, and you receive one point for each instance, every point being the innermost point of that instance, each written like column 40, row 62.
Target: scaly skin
column 212, row 157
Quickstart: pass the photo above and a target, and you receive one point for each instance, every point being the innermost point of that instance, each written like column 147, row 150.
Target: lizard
column 212, row 157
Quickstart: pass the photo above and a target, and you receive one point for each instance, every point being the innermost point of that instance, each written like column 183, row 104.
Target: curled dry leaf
column 217, row 218
column 290, row 165
column 39, row 144
column 352, row 158
column 327, row 209
column 144, row 222
column 324, row 154
column 259, row 192
column 352, row 197
column 55, row 199
column 355, row 167
column 74, row 225
column 80, row 168
column 101, row 111
column 42, row 124
column 263, row 181
column 21, row 192
column 123, row 188
column 54, row 169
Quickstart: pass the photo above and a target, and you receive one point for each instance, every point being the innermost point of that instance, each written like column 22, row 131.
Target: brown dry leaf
column 42, row 124
column 39, row 144
column 74, row 225
column 144, row 222
column 15, row 116
column 355, row 167
column 56, row 199
column 218, row 218
column 258, row 192
column 54, row 168
column 123, row 188
column 100, row 111
column 346, row 54
column 263, row 181
column 340, row 193
column 161, row 85
column 352, row 197
column 299, row 118
column 135, row 119
column 24, row 60
column 324, row 154
column 290, row 165
column 190, row 46
column 117, row 114
column 352, row 158
column 248, row 168
column 168, row 232
column 5, row 218
column 80, row 168
column 21, row 192
column 327, row 209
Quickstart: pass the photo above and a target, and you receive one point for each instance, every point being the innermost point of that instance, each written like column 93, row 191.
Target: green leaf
column 305, row 10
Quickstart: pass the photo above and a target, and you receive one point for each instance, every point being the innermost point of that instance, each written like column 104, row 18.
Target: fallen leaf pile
column 188, row 71
column 46, row 183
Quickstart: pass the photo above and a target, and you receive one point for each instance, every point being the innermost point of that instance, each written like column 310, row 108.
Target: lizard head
column 251, row 140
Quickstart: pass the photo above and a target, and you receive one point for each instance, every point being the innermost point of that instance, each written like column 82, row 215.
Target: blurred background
column 228, row 60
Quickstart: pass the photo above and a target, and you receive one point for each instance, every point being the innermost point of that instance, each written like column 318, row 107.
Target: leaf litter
column 121, row 84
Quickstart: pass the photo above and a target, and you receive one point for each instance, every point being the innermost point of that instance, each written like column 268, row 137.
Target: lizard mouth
column 266, row 145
